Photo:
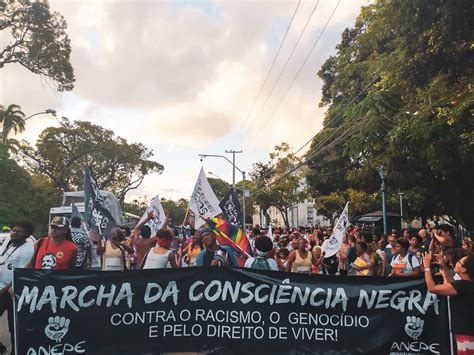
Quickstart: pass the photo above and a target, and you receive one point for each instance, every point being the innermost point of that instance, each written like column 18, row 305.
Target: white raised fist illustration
column 414, row 326
column 57, row 328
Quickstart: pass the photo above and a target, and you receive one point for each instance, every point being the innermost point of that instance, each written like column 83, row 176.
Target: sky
column 182, row 77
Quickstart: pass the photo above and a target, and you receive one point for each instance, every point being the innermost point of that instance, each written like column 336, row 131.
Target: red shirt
column 54, row 256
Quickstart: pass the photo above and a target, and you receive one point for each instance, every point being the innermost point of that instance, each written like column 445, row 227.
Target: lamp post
column 233, row 178
column 383, row 174
column 401, row 208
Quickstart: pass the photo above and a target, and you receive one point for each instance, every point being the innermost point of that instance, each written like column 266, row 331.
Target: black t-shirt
column 208, row 257
column 462, row 310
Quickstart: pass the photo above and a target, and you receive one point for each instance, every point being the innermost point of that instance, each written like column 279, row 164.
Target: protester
column 15, row 252
column 468, row 244
column 142, row 239
column 300, row 260
column 462, row 296
column 342, row 255
column 96, row 259
column 442, row 238
column 404, row 263
column 390, row 251
column 362, row 265
column 281, row 258
column 162, row 256
column 414, row 248
column 83, row 243
column 425, row 241
column 261, row 260
column 56, row 251
column 113, row 251
column 214, row 254
column 193, row 249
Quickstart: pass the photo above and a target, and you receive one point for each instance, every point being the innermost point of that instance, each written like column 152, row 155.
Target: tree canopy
column 11, row 118
column 399, row 94
column 274, row 185
column 36, row 39
column 63, row 153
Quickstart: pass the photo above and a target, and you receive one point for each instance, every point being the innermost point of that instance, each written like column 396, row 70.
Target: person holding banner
column 362, row 265
column 14, row 253
column 83, row 243
column 462, row 296
column 142, row 239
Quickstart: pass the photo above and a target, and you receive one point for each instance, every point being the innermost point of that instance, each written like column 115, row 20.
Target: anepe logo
column 414, row 328
column 56, row 330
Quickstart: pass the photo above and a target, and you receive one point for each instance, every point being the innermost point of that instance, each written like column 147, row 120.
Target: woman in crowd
column 300, row 260
column 161, row 256
column 113, row 251
column 193, row 249
column 404, row 263
column 282, row 259
column 462, row 296
column 362, row 265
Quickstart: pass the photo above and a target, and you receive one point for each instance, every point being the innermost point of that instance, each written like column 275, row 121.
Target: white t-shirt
column 271, row 262
column 12, row 257
column 403, row 264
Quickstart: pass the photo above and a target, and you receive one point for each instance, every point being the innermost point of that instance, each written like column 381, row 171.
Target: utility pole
column 233, row 152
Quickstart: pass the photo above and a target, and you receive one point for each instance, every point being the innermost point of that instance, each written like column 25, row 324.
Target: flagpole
column 186, row 215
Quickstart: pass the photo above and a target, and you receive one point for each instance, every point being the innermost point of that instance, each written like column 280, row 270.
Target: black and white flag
column 98, row 214
column 231, row 208
column 204, row 202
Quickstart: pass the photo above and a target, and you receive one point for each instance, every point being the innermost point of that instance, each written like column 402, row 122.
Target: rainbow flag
column 229, row 234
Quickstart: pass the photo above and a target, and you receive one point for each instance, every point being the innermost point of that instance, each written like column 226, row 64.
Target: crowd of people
column 429, row 251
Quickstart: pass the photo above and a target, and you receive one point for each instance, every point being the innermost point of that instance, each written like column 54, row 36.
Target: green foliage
column 24, row 196
column 219, row 186
column 399, row 90
column 271, row 189
column 63, row 153
column 37, row 41
column 176, row 209
column 11, row 118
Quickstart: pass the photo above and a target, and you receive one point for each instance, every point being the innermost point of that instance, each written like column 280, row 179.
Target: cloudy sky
column 181, row 77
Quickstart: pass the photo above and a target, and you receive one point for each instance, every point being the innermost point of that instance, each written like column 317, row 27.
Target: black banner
column 231, row 208
column 98, row 215
column 243, row 311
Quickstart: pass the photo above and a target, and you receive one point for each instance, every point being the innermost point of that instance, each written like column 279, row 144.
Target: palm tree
column 12, row 118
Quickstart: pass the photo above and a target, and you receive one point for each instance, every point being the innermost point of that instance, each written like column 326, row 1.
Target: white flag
column 203, row 202
column 156, row 223
column 333, row 243
column 269, row 233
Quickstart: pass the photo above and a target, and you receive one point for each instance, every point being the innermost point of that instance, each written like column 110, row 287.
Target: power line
column 313, row 155
column 297, row 73
column 282, row 70
column 335, row 120
column 268, row 73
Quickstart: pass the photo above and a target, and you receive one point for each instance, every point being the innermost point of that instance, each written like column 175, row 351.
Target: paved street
column 4, row 334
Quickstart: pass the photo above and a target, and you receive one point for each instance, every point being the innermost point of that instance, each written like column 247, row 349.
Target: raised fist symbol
column 414, row 327
column 57, row 328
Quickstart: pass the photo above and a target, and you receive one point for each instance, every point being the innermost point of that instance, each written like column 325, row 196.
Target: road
column 4, row 333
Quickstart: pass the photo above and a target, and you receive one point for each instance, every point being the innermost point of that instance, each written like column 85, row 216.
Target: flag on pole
column 156, row 223
column 203, row 202
column 333, row 243
column 231, row 208
column 230, row 235
column 98, row 215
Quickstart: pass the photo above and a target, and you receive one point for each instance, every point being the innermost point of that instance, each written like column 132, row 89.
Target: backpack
column 260, row 263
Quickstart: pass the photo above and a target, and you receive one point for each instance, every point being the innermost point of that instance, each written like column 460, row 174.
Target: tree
column 63, row 153
column 219, row 186
column 276, row 185
column 11, row 118
column 24, row 196
column 38, row 41
column 399, row 94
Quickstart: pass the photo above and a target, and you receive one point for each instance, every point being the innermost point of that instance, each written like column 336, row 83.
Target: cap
column 60, row 222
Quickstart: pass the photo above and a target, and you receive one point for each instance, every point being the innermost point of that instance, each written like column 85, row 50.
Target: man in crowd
column 262, row 261
column 425, row 241
column 142, row 239
column 56, row 251
column 214, row 254
column 404, row 263
column 15, row 252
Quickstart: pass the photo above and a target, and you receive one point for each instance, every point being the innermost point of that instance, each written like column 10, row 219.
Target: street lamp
column 383, row 174
column 233, row 179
